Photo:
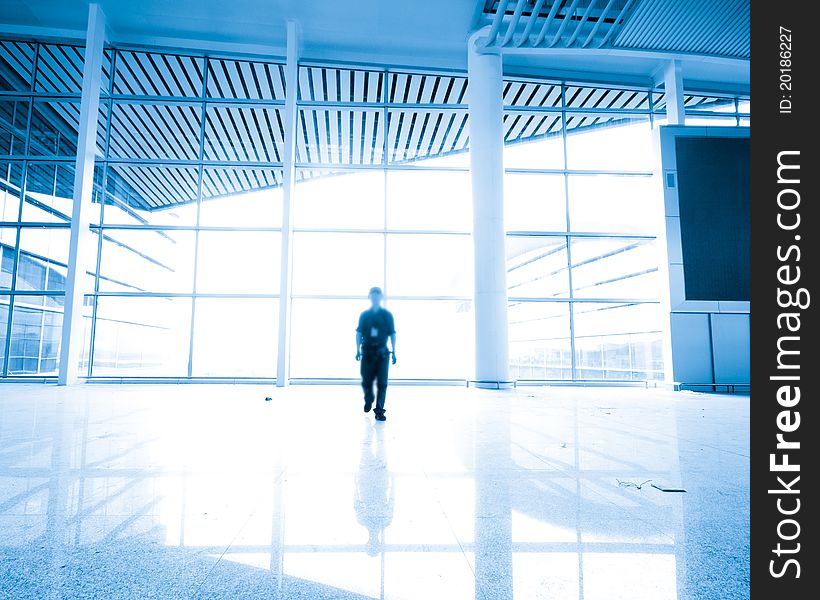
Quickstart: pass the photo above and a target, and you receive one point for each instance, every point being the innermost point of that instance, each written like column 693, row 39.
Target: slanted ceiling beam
column 695, row 27
column 566, row 23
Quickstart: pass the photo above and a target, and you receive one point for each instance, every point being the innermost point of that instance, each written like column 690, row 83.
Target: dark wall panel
column 713, row 194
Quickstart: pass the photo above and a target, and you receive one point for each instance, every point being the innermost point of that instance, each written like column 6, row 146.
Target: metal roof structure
column 704, row 27
column 347, row 118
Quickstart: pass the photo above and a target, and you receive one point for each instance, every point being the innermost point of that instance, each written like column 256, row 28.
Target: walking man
column 375, row 327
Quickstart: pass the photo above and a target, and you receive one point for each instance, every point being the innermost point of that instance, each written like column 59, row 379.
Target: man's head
column 376, row 296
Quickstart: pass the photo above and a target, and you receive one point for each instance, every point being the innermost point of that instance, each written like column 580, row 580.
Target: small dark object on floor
column 268, row 398
column 663, row 489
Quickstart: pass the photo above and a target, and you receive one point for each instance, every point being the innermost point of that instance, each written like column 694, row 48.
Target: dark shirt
column 375, row 327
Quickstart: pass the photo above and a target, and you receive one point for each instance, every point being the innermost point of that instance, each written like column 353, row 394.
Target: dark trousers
column 374, row 367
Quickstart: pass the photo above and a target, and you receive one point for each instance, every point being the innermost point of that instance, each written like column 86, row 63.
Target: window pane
column 322, row 338
column 415, row 136
column 11, row 178
column 537, row 267
column 429, row 265
column 235, row 337
column 162, row 131
column 147, row 261
column 615, row 204
column 138, row 337
column 88, row 319
column 606, row 98
column 340, row 200
column 239, row 262
column 530, row 93
column 241, row 197
column 534, row 202
column 618, row 341
column 337, row 263
column 340, row 136
column 36, row 327
column 244, row 133
column 60, row 69
column 14, row 118
column 540, row 340
column 151, row 195
column 434, row 339
column 55, row 126
column 611, row 142
column 691, row 102
column 429, row 200
column 615, row 268
column 4, row 323
column 418, row 323
column 16, row 65
column 152, row 74
column 533, row 140
column 330, row 84
column 49, row 192
column 709, row 103
column 416, row 88
column 8, row 251
column 43, row 259
column 245, row 79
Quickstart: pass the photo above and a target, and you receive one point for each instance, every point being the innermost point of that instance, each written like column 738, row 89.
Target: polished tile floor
column 195, row 491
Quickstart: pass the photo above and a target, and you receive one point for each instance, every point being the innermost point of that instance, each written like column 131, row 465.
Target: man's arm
column 358, row 345
column 392, row 330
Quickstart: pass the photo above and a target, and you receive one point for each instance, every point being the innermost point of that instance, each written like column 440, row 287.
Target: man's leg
column 368, row 370
column 381, row 384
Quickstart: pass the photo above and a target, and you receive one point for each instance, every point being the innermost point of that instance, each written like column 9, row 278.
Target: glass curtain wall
column 186, row 218
column 40, row 86
column 582, row 212
column 188, row 202
column 382, row 199
column 190, row 230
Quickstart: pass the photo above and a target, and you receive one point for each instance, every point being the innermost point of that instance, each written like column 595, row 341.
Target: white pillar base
column 492, row 385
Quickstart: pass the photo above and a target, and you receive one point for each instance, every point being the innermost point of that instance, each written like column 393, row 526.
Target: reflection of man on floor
column 374, row 329
column 374, row 489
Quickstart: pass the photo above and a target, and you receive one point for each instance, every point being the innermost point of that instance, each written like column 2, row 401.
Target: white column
column 289, row 180
column 484, row 71
column 673, row 87
column 82, row 242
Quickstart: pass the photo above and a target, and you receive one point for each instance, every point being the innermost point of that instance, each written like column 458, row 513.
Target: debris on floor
column 638, row 486
column 628, row 484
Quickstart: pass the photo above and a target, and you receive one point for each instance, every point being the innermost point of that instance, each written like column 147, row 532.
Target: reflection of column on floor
column 277, row 538
column 56, row 537
column 493, row 516
column 83, row 480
